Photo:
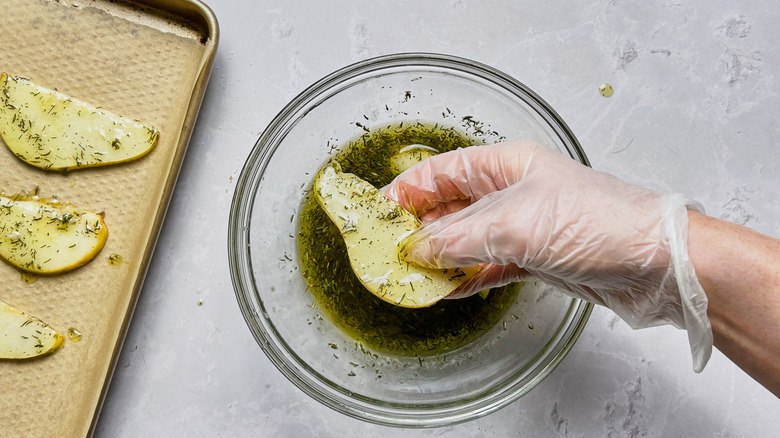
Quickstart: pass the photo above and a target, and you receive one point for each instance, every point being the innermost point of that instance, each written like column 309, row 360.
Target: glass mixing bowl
column 299, row 338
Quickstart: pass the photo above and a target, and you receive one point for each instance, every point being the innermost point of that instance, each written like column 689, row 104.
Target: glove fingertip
column 418, row 250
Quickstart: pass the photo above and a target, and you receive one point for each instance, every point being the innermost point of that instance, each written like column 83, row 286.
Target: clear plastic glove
column 521, row 209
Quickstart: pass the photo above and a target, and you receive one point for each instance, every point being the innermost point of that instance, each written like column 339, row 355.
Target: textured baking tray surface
column 138, row 62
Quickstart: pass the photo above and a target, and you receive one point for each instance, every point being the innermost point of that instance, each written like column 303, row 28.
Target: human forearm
column 739, row 270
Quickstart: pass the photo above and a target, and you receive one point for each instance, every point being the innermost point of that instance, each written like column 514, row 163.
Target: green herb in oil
column 379, row 325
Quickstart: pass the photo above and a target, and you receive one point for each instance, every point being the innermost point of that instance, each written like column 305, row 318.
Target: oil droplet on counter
column 74, row 335
column 29, row 278
column 606, row 90
column 114, row 259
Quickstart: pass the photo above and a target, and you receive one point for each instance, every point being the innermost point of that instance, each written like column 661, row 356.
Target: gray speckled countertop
column 695, row 110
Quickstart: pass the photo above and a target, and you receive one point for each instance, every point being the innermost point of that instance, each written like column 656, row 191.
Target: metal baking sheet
column 148, row 60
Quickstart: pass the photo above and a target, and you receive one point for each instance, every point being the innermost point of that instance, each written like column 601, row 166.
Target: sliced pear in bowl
column 410, row 155
column 23, row 336
column 53, row 131
column 44, row 236
column 373, row 226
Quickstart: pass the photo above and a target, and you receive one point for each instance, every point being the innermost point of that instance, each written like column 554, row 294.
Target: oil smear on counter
column 606, row 89
column 339, row 294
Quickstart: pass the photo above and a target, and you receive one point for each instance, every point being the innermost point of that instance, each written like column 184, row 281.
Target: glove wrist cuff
column 692, row 296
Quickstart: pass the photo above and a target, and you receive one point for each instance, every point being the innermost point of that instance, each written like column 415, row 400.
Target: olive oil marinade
column 379, row 325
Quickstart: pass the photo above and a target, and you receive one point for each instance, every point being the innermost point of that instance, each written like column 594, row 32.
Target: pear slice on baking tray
column 23, row 336
column 52, row 131
column 44, row 236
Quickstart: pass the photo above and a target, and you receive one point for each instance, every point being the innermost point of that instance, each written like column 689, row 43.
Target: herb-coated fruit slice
column 23, row 336
column 410, row 155
column 50, row 130
column 46, row 236
column 373, row 226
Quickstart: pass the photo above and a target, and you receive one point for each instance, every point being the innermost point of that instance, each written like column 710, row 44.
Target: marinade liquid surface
column 378, row 325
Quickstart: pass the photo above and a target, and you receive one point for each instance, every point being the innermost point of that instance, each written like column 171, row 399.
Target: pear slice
column 50, row 130
column 410, row 155
column 373, row 226
column 23, row 336
column 48, row 237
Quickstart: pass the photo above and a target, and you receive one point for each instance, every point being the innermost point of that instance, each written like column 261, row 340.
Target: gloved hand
column 521, row 209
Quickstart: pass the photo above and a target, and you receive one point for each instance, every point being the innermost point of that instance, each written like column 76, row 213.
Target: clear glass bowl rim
column 409, row 416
